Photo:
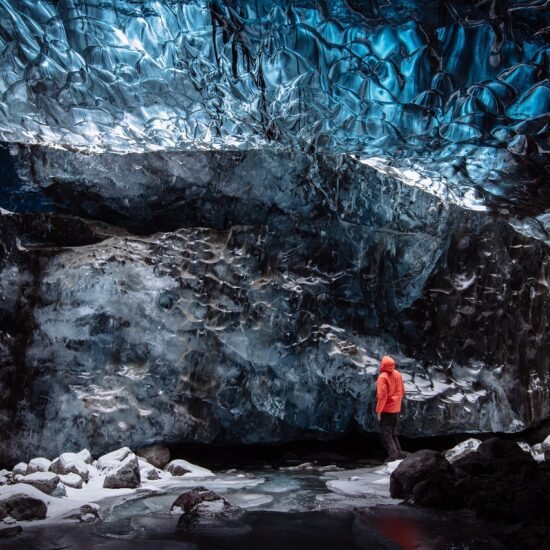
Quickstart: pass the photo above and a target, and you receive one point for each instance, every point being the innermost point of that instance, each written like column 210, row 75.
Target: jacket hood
column 387, row 364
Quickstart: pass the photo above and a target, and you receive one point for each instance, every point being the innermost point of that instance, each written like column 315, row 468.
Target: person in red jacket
column 390, row 391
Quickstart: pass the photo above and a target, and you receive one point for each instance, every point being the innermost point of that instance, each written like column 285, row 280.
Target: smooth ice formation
column 451, row 95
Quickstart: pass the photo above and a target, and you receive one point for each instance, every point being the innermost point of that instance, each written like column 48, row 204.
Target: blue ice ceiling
column 453, row 97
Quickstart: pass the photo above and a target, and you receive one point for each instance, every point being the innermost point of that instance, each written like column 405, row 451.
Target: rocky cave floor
column 310, row 495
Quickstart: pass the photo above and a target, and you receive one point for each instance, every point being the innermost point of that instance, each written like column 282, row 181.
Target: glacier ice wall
column 270, row 330
column 460, row 86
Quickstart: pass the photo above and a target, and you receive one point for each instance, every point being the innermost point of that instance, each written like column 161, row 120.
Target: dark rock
column 437, row 491
column 125, row 475
column 532, row 534
column 540, row 433
column 507, row 458
column 500, row 449
column 87, row 513
column 46, row 482
column 150, row 473
column 157, row 455
column 500, row 482
column 501, row 498
column 9, row 528
column 176, row 468
column 3, row 512
column 415, row 468
column 508, row 487
column 201, row 503
column 526, row 502
column 189, row 500
column 472, row 464
column 543, row 471
column 23, row 507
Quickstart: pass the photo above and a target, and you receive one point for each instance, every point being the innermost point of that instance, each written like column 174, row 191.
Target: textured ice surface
column 272, row 331
column 461, row 87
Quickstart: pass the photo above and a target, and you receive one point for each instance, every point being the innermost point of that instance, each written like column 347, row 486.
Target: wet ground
column 283, row 510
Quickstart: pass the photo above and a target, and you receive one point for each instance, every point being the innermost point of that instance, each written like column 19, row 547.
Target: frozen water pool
column 282, row 509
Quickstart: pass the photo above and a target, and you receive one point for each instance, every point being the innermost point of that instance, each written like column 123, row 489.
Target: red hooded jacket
column 389, row 387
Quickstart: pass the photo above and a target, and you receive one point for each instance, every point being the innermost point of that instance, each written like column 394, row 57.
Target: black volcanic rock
column 125, row 474
column 24, row 508
column 201, row 504
column 499, row 481
column 472, row 464
column 157, row 455
column 414, row 469
column 438, row 491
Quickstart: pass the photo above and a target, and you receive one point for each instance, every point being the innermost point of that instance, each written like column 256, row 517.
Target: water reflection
column 405, row 532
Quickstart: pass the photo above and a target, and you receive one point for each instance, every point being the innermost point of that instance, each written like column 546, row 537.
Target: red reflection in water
column 404, row 532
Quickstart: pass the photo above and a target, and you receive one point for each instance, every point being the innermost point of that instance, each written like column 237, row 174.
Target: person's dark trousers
column 389, row 424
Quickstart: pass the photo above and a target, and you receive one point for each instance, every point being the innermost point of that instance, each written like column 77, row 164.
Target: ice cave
column 217, row 217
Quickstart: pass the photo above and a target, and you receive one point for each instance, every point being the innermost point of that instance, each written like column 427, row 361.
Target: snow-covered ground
column 73, row 480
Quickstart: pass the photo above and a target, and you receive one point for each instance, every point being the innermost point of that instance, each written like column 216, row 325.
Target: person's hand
column 379, row 416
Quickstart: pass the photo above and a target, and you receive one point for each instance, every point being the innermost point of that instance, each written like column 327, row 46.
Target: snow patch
column 192, row 469
column 462, row 449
